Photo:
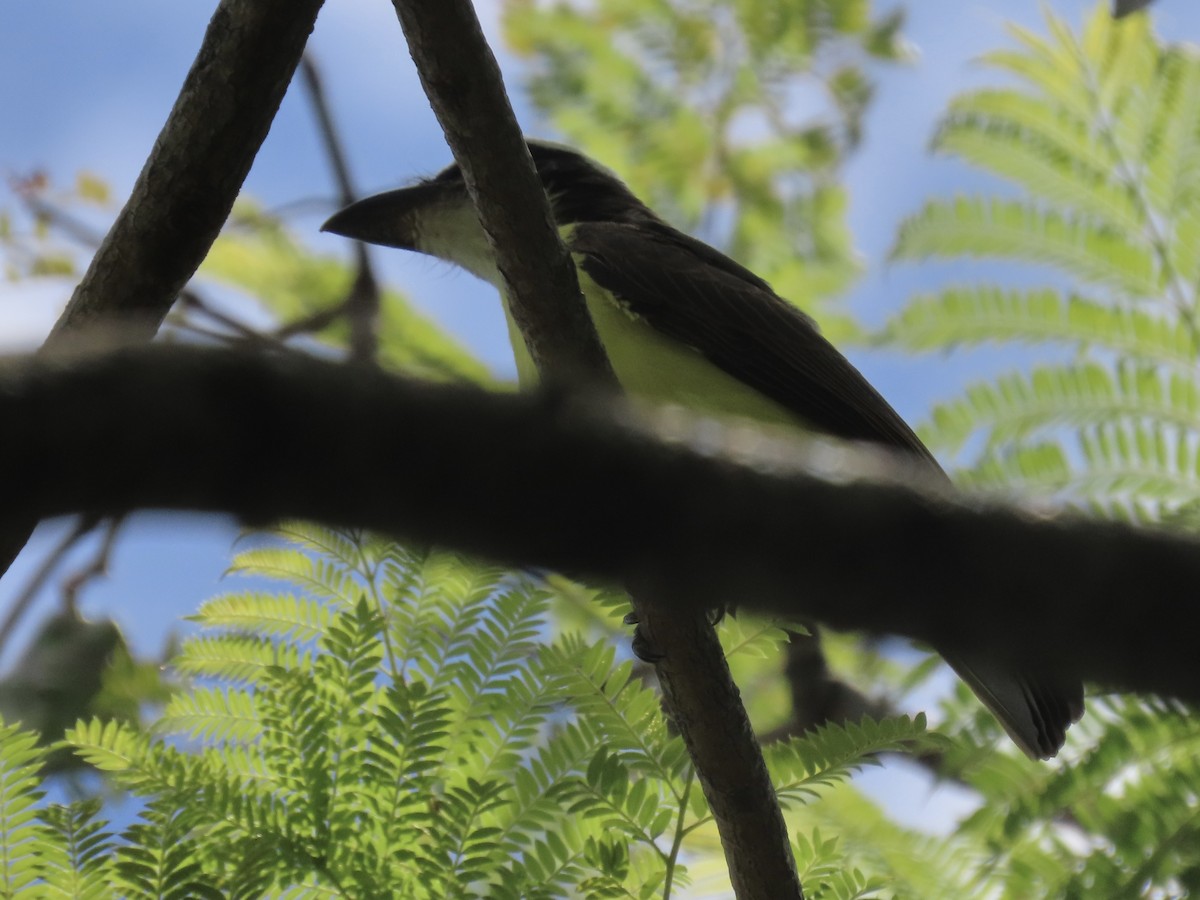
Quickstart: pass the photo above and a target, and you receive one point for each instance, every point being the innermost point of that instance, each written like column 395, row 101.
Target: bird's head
column 436, row 216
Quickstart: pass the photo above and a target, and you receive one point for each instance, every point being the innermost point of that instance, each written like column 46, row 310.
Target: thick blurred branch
column 189, row 182
column 466, row 91
column 837, row 533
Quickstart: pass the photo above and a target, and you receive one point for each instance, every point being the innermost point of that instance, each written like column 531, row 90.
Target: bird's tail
column 1035, row 711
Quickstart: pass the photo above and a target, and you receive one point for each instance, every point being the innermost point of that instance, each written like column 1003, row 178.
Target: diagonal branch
column 190, row 180
column 592, row 490
column 461, row 78
column 466, row 91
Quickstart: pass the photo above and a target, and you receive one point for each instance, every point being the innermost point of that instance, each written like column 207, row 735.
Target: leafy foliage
column 391, row 722
column 256, row 255
column 667, row 93
column 1101, row 135
column 19, row 791
column 397, row 727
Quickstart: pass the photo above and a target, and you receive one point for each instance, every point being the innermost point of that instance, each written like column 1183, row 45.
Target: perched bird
column 683, row 323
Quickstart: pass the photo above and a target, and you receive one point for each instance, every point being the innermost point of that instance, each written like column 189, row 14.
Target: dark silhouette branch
column 96, row 568
column 201, row 157
column 1122, row 8
column 803, row 529
column 466, row 92
column 21, row 603
column 190, row 180
column 818, row 696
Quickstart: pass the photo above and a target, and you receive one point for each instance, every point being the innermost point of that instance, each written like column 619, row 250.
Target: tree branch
column 25, row 598
column 464, row 86
column 466, row 91
column 838, row 533
column 201, row 157
column 362, row 304
column 190, row 180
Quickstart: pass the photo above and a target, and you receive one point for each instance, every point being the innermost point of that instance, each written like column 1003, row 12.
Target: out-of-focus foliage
column 1117, row 820
column 732, row 119
column 390, row 723
column 1100, row 132
column 257, row 255
column 72, row 669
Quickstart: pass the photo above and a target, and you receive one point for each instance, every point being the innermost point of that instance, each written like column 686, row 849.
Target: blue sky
column 87, row 86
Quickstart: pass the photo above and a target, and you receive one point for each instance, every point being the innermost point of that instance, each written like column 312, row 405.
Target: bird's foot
column 643, row 648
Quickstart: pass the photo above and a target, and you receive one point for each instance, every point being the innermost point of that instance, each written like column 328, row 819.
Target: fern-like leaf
column 1020, row 230
column 253, row 612
column 76, row 858
column 802, row 766
column 20, row 790
column 971, row 315
column 212, row 714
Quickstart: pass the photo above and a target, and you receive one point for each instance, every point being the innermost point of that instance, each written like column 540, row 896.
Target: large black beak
column 388, row 219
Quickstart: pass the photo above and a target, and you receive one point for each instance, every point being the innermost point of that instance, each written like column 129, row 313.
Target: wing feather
column 700, row 297
column 687, row 290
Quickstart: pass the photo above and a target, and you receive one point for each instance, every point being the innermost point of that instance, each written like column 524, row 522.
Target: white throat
column 451, row 231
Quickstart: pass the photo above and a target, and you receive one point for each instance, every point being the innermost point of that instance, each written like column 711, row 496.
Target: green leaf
column 1021, row 230
column 979, row 314
column 20, row 834
column 804, row 766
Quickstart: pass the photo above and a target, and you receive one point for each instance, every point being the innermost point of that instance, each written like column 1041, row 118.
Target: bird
column 683, row 323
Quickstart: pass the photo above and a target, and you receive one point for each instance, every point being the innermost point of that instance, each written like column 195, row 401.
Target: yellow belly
column 655, row 368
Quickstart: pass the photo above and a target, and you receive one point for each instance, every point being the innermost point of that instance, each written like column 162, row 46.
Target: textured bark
column 196, row 168
column 465, row 89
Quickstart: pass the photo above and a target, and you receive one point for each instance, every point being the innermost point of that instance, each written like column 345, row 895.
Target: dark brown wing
column 687, row 290
column 700, row 297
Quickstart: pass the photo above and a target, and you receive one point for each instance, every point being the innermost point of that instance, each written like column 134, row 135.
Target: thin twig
column 311, row 323
column 43, row 209
column 28, row 594
column 362, row 303
column 190, row 299
column 97, row 568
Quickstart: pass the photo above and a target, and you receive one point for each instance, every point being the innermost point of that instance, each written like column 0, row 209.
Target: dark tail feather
column 1035, row 712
